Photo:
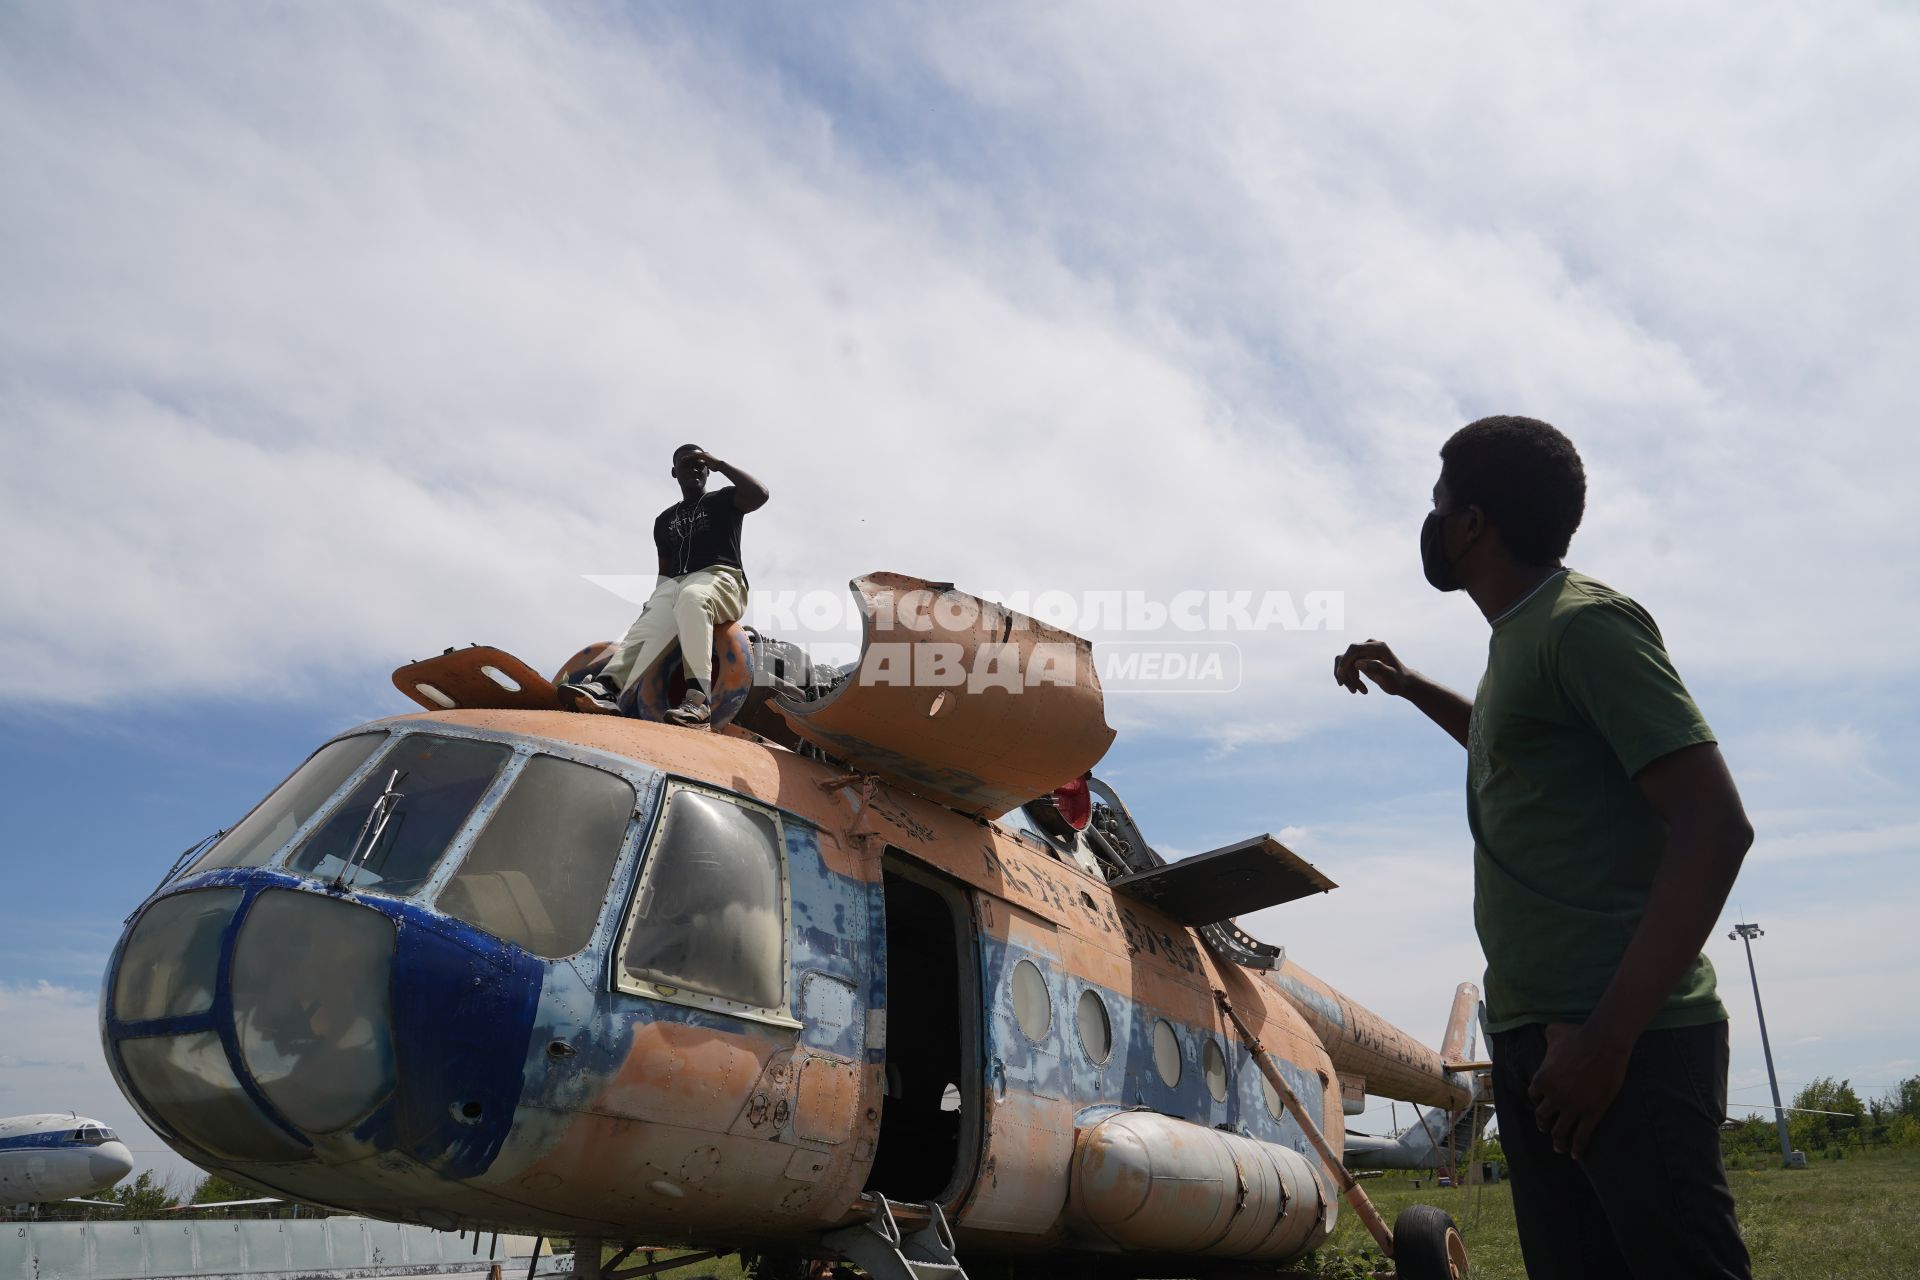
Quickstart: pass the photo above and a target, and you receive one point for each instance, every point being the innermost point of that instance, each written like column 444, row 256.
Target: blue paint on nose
column 442, row 1014
column 463, row 1012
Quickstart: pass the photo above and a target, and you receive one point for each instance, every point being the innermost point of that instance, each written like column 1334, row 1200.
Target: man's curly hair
column 1526, row 476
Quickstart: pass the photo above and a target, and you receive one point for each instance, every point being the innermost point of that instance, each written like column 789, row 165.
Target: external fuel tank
column 1148, row 1183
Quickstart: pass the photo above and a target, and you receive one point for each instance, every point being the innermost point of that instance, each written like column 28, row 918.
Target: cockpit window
column 93, row 1136
column 709, row 917
column 538, row 874
column 441, row 780
column 261, row 833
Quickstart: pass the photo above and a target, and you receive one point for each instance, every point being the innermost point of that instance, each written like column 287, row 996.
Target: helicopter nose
column 305, row 1002
column 108, row 1163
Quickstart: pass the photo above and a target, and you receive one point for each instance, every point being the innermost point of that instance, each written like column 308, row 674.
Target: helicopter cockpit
column 535, row 835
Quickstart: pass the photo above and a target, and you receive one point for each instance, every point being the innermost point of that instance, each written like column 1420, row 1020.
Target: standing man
column 1606, row 835
column 702, row 584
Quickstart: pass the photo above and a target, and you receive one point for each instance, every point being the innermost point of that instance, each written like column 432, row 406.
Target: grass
column 1853, row 1218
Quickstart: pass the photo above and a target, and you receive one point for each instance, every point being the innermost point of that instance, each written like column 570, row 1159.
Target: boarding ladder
column 879, row 1248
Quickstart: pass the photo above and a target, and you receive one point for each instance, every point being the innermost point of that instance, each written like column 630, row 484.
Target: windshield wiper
column 374, row 827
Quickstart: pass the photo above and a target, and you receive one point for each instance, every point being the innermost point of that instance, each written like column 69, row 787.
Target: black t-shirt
column 700, row 534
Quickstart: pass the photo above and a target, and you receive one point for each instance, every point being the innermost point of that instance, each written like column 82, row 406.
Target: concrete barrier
column 287, row 1249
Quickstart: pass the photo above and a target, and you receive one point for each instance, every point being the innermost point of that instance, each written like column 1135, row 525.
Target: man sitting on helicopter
column 702, row 584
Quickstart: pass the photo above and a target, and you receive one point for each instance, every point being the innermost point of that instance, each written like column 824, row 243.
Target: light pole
column 1747, row 933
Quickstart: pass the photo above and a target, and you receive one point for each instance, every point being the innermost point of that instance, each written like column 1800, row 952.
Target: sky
column 331, row 336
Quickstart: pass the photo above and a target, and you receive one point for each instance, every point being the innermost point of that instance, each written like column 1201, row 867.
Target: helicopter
column 873, row 969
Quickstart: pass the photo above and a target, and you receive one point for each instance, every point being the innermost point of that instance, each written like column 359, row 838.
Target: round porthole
column 1215, row 1064
column 1272, row 1095
column 1096, row 1031
column 1032, row 1008
column 1166, row 1052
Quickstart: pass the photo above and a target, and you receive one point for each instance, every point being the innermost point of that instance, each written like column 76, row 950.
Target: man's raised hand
column 1374, row 660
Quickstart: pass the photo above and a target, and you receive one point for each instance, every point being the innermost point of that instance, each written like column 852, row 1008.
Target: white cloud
column 339, row 338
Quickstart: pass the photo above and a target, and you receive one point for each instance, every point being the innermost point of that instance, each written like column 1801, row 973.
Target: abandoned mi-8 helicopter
column 873, row 971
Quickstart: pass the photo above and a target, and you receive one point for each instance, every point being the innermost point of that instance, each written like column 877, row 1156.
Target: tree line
column 1830, row 1118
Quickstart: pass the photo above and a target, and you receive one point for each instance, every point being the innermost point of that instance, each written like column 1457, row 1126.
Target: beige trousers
column 686, row 608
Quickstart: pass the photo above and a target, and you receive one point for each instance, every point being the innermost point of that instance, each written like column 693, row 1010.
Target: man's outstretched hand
column 1372, row 660
column 1376, row 662
column 1576, row 1083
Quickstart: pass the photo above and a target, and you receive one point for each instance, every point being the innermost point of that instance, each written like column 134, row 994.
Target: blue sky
column 331, row 337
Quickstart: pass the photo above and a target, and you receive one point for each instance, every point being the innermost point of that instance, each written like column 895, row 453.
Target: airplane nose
column 108, row 1163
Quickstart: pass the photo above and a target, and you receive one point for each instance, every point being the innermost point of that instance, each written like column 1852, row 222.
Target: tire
column 1427, row 1246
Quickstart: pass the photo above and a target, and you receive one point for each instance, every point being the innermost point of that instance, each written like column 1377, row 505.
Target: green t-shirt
column 1578, row 697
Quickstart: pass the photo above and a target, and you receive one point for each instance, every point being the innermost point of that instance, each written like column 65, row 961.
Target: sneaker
column 694, row 711
column 590, row 695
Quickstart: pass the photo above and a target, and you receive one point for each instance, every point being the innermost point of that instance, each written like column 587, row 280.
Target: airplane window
column 444, row 779
column 261, row 833
column 538, row 873
column 1275, row 1107
column 709, row 917
column 1166, row 1052
column 1215, row 1064
column 1032, row 1006
column 1096, row 1031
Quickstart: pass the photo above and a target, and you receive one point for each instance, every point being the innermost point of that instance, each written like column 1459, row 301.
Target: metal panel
column 464, row 678
column 1223, row 883
column 978, row 745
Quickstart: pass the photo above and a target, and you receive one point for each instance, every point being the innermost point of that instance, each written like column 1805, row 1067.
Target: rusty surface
column 1328, row 1151
column 828, row 1094
column 977, row 747
column 1363, row 1043
column 682, row 1126
column 463, row 677
column 1453, row 1046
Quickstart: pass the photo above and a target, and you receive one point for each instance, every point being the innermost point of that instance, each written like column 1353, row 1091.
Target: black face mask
column 1433, row 554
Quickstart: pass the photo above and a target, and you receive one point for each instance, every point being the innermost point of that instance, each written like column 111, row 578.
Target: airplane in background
column 874, row 970
column 1436, row 1140
column 52, row 1157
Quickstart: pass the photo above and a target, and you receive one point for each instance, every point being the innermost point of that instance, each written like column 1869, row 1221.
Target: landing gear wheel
column 1427, row 1246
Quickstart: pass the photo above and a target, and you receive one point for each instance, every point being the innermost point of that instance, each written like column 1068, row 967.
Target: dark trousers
column 1650, row 1197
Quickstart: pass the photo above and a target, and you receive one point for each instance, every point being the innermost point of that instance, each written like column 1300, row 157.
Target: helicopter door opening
column 930, row 1113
